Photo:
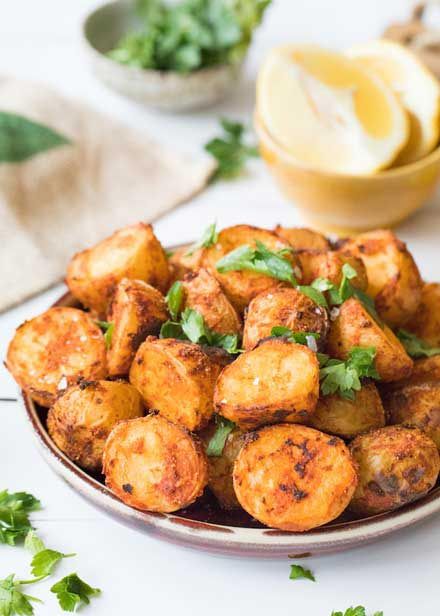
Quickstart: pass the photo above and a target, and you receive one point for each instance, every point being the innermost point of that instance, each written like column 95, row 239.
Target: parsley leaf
column 14, row 515
column 230, row 151
column 414, row 346
column 44, row 560
column 72, row 592
column 315, row 294
column 174, row 299
column 344, row 376
column 305, row 338
column 218, row 440
column 107, row 329
column 260, row 260
column 355, row 611
column 19, row 501
column 209, row 238
column 33, row 543
column 13, row 600
column 297, row 573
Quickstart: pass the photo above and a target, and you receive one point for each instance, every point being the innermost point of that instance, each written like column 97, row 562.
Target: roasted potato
column 136, row 310
column 354, row 326
column 241, row 287
column 293, row 477
column 177, row 379
column 393, row 277
column 426, row 321
column 153, row 464
column 348, row 418
column 287, row 307
column 303, row 239
column 315, row 264
column 54, row 350
column 397, row 465
column 184, row 261
column 204, row 294
column 276, row 381
column 133, row 252
column 82, row 418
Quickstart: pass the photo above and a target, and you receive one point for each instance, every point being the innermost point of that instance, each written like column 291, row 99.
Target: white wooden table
column 140, row 575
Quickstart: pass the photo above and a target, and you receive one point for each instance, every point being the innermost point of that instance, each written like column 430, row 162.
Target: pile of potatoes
column 142, row 409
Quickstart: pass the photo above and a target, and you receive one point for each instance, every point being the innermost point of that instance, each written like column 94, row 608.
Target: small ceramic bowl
column 164, row 90
column 340, row 203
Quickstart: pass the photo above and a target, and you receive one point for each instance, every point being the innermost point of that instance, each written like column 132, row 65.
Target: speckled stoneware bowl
column 164, row 90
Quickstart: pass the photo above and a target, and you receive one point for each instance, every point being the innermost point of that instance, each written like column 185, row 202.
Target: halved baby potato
column 354, row 326
column 285, row 307
column 132, row 252
column 183, row 261
column 82, row 418
column 425, row 323
column 293, row 477
column 316, row 264
column 393, row 277
column 154, row 465
column 303, row 239
column 136, row 310
column 177, row 379
column 276, row 381
column 54, row 350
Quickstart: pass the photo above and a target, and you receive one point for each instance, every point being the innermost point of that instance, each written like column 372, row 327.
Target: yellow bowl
column 342, row 203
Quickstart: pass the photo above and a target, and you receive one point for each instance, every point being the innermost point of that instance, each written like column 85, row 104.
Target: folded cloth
column 67, row 198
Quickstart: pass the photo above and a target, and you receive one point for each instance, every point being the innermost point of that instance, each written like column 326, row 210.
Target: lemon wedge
column 417, row 88
column 328, row 112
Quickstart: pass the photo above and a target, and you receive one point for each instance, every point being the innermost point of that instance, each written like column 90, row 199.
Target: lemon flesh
column 328, row 112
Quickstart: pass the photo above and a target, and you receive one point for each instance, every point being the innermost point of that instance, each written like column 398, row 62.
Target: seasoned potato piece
column 293, row 477
column 204, row 294
column 133, row 252
column 184, row 261
column 315, row 264
column 354, row 326
column 242, row 286
column 277, row 381
column 397, row 465
column 154, row 465
column 82, row 418
column 287, row 307
column 426, row 322
column 220, row 467
column 348, row 418
column 303, row 239
column 54, row 350
column 177, row 379
column 137, row 310
column 393, row 277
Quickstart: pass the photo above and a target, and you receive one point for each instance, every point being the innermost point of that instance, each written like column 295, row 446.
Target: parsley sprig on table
column 12, row 598
column 14, row 515
column 72, row 592
column 44, row 559
column 355, row 611
column 230, row 150
column 218, row 440
column 414, row 346
column 260, row 260
column 297, row 572
column 344, row 377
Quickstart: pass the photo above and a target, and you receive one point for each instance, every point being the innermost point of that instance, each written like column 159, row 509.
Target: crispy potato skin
column 177, row 379
column 54, row 350
column 132, row 252
column 241, row 287
column 393, row 277
column 301, row 238
column 81, row 419
column 182, row 263
column 318, row 264
column 287, row 307
column 348, row 418
column 221, row 467
column 154, row 465
column 204, row 294
column 355, row 327
column 277, row 381
column 293, row 477
column 397, row 465
column 137, row 310
column 425, row 323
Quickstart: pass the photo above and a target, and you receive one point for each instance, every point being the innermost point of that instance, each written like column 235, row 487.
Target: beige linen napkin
column 70, row 197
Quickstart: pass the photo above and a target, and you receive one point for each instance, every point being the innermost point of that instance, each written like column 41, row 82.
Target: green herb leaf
column 19, row 501
column 44, row 561
column 355, row 611
column 218, row 440
column 193, row 326
column 414, row 346
column 260, row 260
column 317, row 296
column 297, row 573
column 343, row 377
column 174, row 299
column 209, row 238
column 107, row 328
column 228, row 342
column 171, row 329
column 72, row 592
column 33, row 543
column 305, row 338
column 12, row 600
column 14, row 515
column 230, row 151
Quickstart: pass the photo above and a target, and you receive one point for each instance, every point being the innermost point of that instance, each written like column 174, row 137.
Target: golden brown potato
column 277, row 381
column 82, row 418
column 316, row 264
column 293, row 477
column 204, row 294
column 136, row 310
column 54, row 350
column 184, row 261
column 393, row 277
column 354, row 326
column 154, row 465
column 286, row 307
column 133, row 252
column 397, row 465
column 426, row 321
column 348, row 418
column 177, row 379
column 242, row 286
column 303, row 239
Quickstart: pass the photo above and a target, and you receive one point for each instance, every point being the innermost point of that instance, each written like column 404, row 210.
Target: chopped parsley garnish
column 107, row 329
column 14, row 515
column 218, row 440
column 209, row 238
column 174, row 299
column 300, row 573
column 12, row 600
column 72, row 592
column 414, row 346
column 355, row 611
column 343, row 377
column 230, row 150
column 306, row 338
column 260, row 260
